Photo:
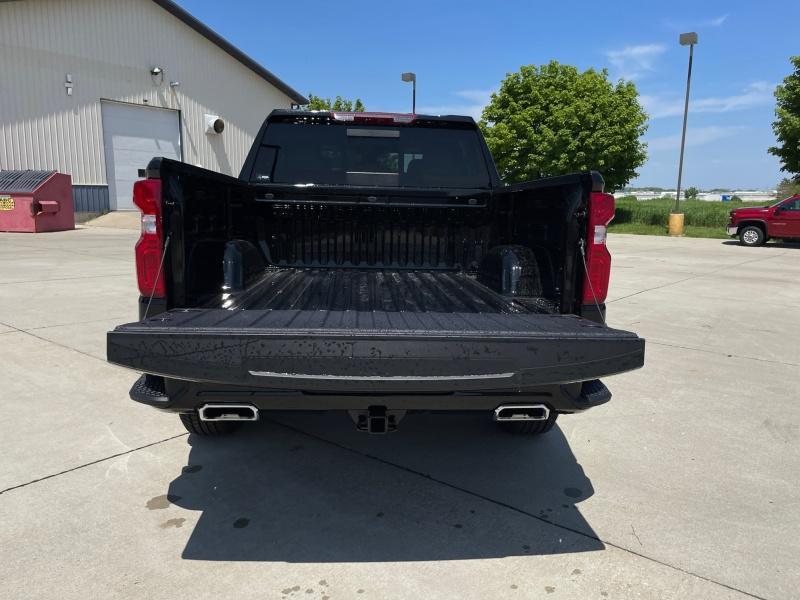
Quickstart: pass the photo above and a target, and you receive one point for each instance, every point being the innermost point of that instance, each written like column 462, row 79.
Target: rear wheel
column 529, row 427
column 194, row 425
column 752, row 235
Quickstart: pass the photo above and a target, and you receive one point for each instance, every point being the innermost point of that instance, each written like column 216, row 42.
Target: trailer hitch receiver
column 377, row 419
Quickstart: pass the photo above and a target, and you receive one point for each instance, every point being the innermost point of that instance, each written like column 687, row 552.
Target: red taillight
column 598, row 259
column 149, row 271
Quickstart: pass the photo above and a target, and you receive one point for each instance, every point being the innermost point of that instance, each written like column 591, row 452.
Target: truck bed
column 365, row 290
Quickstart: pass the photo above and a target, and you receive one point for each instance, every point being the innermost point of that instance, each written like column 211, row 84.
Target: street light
column 412, row 77
column 676, row 217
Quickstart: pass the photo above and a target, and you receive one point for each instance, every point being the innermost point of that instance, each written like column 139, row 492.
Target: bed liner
column 365, row 290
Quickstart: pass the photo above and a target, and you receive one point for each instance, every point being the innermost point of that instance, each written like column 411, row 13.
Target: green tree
column 339, row 104
column 691, row 193
column 787, row 124
column 788, row 187
column 553, row 119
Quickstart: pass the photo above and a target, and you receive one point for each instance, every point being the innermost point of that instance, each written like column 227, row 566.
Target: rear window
column 339, row 154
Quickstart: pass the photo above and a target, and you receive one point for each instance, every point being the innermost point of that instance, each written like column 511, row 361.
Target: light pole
column 676, row 217
column 412, row 77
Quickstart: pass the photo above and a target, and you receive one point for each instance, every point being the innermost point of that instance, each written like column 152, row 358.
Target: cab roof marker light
column 374, row 117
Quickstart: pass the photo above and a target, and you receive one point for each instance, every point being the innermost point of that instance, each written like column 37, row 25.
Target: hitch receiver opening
column 376, row 419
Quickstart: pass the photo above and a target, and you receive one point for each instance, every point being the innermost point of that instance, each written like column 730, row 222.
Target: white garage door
column 133, row 135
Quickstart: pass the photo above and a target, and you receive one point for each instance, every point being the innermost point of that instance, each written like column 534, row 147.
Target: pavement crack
column 84, row 252
column 721, row 353
column 116, row 319
column 696, row 276
column 89, row 464
column 44, row 339
column 636, row 536
column 65, row 278
column 513, row 508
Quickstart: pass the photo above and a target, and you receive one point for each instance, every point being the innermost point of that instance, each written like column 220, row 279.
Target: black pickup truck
column 375, row 264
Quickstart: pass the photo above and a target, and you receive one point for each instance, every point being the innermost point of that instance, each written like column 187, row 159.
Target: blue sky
column 462, row 50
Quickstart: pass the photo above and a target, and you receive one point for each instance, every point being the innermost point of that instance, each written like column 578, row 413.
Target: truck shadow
column 442, row 488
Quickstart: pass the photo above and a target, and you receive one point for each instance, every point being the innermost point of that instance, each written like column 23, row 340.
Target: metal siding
column 90, row 198
column 109, row 47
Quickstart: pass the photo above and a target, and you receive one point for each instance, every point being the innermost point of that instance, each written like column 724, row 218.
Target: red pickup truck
column 756, row 224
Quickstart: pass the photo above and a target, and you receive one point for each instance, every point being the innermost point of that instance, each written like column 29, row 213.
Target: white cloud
column 717, row 21
column 699, row 24
column 658, row 107
column 631, row 62
column 472, row 104
column 479, row 96
column 698, row 136
column 757, row 93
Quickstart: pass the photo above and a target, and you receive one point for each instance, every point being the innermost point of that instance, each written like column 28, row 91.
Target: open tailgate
column 352, row 351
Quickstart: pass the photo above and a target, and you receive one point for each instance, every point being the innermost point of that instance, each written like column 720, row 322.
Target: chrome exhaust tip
column 521, row 412
column 228, row 412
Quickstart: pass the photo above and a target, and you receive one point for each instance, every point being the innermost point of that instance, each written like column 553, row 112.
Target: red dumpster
column 34, row 201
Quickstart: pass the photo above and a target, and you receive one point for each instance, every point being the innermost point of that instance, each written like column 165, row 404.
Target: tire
column 529, row 427
column 194, row 425
column 752, row 235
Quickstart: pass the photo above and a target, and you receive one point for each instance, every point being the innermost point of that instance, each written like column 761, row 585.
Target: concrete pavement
column 118, row 219
column 684, row 486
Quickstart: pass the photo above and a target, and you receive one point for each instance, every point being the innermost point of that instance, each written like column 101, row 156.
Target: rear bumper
column 732, row 229
column 187, row 396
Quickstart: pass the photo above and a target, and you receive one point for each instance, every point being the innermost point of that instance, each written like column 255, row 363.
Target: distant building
column 745, row 195
column 756, row 195
column 95, row 88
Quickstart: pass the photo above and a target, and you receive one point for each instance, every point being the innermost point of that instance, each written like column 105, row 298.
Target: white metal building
column 95, row 88
column 765, row 196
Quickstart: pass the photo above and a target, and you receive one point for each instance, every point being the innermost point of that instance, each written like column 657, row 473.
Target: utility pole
column 411, row 77
column 676, row 216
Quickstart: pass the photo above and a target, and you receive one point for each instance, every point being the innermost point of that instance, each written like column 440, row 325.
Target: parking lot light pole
column 412, row 77
column 676, row 216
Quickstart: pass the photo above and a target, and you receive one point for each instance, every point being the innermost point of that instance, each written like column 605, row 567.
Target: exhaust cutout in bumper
column 521, row 412
column 228, row 412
